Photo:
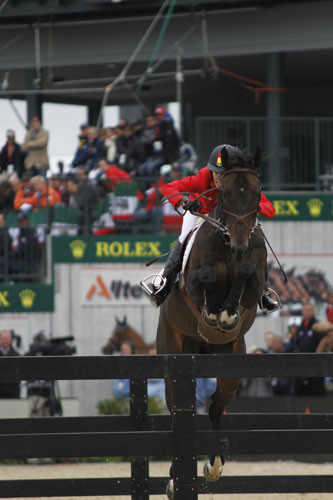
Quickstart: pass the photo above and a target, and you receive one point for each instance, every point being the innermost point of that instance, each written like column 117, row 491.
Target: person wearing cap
column 11, row 155
column 35, row 147
column 208, row 177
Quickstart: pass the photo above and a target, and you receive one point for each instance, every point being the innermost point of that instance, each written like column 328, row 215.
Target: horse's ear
column 117, row 321
column 224, row 157
column 125, row 320
column 256, row 158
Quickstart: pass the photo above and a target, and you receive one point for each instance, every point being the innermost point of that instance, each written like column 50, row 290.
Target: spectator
column 155, row 386
column 269, row 336
column 121, row 387
column 306, row 339
column 112, row 174
column 329, row 307
column 256, row 387
column 39, row 391
column 148, row 135
column 151, row 212
column 90, row 151
column 293, row 325
column 82, row 196
column 44, row 195
column 25, row 247
column 137, row 127
column 280, row 385
column 11, row 155
column 5, row 245
column 59, row 187
column 7, row 196
column 24, row 196
column 35, row 147
column 110, row 145
column 165, row 145
column 205, row 387
column 130, row 151
column 8, row 390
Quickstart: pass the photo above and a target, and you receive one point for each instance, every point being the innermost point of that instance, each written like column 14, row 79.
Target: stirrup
column 275, row 302
column 153, row 284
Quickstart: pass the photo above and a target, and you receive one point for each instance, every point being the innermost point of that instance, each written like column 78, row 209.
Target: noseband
column 240, row 219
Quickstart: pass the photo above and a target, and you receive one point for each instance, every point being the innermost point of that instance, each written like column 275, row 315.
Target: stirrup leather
column 154, row 288
column 272, row 294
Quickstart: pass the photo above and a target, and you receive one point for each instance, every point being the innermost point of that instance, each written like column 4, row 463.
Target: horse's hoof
column 209, row 318
column 170, row 490
column 227, row 322
column 213, row 472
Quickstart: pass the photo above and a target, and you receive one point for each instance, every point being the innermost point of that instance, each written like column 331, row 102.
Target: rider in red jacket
column 208, row 177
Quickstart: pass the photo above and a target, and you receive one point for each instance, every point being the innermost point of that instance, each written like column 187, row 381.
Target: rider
column 208, row 177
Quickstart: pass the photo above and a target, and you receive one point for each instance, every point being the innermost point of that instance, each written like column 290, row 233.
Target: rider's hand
column 192, row 206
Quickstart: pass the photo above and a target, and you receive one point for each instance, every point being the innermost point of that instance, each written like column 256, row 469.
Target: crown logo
column 27, row 298
column 315, row 206
column 78, row 248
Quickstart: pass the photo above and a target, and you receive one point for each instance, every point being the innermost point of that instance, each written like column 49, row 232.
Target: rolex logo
column 315, row 206
column 27, row 298
column 78, row 248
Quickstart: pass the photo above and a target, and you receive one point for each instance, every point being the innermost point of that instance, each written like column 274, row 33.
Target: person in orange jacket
column 44, row 196
column 208, row 177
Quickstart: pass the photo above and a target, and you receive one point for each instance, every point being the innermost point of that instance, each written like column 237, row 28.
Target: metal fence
column 304, row 145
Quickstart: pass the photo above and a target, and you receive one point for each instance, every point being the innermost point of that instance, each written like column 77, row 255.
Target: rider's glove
column 192, row 206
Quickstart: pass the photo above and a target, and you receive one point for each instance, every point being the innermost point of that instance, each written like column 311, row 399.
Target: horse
column 215, row 301
column 124, row 332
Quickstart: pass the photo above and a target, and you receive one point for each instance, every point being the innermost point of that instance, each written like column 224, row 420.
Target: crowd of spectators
column 137, row 152
column 305, row 334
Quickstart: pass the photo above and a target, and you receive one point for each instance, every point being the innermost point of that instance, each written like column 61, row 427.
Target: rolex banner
column 308, row 207
column 26, row 298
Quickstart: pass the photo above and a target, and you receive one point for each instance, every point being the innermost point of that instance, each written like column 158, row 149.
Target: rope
column 159, row 41
column 123, row 73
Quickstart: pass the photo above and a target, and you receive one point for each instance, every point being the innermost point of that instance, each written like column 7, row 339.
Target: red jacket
column 197, row 184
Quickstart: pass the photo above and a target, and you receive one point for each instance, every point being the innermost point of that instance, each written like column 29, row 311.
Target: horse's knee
column 207, row 275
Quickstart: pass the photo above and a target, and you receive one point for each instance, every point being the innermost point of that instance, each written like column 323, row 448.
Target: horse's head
column 240, row 196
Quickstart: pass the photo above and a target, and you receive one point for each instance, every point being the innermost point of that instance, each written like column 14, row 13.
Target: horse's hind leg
column 224, row 394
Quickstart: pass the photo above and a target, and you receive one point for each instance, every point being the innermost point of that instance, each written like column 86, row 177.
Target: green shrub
column 120, row 406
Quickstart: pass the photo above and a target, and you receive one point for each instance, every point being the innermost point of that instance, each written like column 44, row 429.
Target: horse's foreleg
column 207, row 278
column 228, row 317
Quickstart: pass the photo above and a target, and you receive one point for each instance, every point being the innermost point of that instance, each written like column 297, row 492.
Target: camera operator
column 39, row 391
column 43, row 400
column 10, row 389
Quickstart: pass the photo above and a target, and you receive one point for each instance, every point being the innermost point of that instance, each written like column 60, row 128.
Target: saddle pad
column 190, row 243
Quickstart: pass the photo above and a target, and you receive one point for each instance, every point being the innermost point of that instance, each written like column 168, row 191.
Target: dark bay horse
column 215, row 302
column 121, row 333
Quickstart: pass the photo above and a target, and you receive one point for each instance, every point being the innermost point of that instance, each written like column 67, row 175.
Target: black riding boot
column 171, row 269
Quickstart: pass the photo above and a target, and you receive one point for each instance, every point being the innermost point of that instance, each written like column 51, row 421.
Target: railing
column 24, row 262
column 304, row 151
column 140, row 435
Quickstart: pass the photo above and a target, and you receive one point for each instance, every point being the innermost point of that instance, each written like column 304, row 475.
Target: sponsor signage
column 307, row 207
column 105, row 286
column 112, row 248
column 26, row 298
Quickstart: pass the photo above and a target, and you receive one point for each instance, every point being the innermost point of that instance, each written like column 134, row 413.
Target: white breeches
column 189, row 221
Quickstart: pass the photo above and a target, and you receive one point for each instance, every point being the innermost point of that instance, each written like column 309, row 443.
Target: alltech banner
column 26, row 298
column 307, row 207
column 110, row 249
column 102, row 285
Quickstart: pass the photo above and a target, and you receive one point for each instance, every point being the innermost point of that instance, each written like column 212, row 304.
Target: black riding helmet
column 215, row 160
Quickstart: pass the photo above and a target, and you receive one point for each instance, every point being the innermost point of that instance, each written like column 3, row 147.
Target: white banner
column 113, row 285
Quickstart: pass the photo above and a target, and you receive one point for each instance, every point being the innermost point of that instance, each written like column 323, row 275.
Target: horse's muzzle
column 239, row 252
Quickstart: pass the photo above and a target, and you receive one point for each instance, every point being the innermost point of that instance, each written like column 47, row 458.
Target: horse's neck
column 134, row 336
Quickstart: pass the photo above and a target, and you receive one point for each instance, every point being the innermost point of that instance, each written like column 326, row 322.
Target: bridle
column 240, row 219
